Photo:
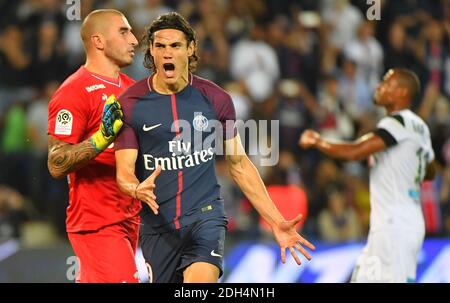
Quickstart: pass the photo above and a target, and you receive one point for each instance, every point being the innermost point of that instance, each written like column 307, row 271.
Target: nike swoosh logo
column 215, row 255
column 149, row 128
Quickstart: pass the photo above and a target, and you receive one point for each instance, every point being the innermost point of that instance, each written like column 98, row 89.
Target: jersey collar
column 113, row 81
column 150, row 81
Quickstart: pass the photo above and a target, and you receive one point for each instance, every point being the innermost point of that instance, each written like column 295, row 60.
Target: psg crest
column 200, row 122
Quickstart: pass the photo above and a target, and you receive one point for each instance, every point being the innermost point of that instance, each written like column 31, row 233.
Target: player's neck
column 167, row 89
column 103, row 67
column 396, row 108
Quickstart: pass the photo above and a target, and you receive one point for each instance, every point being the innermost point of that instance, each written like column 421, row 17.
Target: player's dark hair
column 171, row 20
column 410, row 80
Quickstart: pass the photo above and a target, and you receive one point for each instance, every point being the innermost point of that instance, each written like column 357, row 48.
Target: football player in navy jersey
column 165, row 158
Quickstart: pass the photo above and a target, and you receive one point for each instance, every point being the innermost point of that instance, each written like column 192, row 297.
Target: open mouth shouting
column 169, row 70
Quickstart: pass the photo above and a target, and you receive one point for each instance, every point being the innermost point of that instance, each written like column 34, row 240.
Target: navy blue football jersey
column 180, row 133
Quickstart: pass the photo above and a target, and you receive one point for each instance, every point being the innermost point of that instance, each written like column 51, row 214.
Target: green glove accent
column 110, row 125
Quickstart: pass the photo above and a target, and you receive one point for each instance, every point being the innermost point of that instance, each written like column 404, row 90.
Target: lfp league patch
column 64, row 121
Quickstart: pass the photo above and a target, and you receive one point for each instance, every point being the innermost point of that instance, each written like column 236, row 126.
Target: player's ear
column 191, row 48
column 403, row 92
column 98, row 42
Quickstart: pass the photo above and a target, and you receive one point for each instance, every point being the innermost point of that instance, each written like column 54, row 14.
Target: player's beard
column 120, row 58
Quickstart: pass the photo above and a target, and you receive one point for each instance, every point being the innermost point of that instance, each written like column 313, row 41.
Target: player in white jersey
column 401, row 157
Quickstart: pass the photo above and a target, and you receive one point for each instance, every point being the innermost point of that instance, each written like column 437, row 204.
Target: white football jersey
column 398, row 171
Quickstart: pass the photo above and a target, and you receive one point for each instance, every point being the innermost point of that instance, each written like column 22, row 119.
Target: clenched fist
column 308, row 139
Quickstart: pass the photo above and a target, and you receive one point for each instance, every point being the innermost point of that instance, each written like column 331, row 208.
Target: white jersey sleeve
column 395, row 126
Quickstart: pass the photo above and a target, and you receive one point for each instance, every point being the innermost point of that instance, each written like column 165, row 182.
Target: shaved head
column 409, row 80
column 398, row 90
column 107, row 37
column 97, row 22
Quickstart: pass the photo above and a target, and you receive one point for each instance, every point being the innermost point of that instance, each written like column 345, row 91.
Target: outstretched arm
column 357, row 150
column 246, row 175
column 129, row 184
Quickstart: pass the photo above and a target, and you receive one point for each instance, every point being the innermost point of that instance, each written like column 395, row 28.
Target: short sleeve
column 392, row 130
column 127, row 138
column 222, row 104
column 68, row 114
column 227, row 116
column 387, row 138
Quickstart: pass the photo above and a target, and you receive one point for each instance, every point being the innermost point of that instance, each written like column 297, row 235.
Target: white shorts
column 389, row 257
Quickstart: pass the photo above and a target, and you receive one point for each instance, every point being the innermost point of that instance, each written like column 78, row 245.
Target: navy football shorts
column 167, row 254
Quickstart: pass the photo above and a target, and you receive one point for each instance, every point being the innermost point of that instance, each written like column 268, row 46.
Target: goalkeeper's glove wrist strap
column 99, row 142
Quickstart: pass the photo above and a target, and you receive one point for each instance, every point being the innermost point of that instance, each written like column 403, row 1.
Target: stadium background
column 307, row 63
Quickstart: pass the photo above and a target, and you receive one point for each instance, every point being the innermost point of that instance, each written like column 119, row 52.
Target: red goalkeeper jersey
column 74, row 115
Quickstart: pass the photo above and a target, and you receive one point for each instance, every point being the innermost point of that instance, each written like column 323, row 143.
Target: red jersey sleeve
column 68, row 115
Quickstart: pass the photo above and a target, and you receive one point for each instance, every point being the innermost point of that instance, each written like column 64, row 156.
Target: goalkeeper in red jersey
column 84, row 119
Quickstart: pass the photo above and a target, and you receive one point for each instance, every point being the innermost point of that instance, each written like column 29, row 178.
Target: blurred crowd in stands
column 307, row 63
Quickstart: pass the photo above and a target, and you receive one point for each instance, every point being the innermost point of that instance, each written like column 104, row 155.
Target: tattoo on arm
column 64, row 158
